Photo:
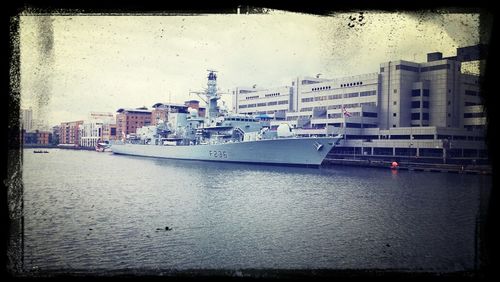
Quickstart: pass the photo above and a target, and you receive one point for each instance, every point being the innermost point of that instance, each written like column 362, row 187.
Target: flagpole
column 345, row 123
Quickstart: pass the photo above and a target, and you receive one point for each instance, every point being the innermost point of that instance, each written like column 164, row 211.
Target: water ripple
column 85, row 210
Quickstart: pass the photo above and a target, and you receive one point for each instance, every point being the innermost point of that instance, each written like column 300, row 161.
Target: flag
column 346, row 113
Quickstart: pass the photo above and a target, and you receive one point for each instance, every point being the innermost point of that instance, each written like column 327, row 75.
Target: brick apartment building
column 128, row 120
column 68, row 132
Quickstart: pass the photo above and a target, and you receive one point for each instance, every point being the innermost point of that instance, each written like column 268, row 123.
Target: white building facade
column 407, row 108
column 91, row 131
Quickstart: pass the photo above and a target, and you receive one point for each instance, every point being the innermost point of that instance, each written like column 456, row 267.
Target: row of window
column 367, row 93
column 434, row 68
column 417, row 93
column 322, row 88
column 471, row 93
column 353, row 105
column 339, row 115
column 251, row 97
column 240, row 119
column 416, row 116
column 272, row 94
column 471, row 104
column 351, row 84
column 263, row 104
column 350, row 95
column 139, row 117
column 474, row 115
column 333, row 107
column 368, row 104
column 354, row 114
column 368, row 114
column 460, row 137
column 416, row 104
column 338, row 96
column 406, row 68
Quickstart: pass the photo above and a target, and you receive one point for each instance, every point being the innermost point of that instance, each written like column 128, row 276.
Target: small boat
column 102, row 147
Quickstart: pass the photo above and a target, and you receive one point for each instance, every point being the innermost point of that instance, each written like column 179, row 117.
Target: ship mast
column 212, row 95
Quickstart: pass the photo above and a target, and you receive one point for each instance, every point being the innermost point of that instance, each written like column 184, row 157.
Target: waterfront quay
column 406, row 164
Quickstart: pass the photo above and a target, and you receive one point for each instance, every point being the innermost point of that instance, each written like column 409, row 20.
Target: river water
column 85, row 210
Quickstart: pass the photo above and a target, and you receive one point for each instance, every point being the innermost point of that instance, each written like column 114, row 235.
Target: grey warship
column 225, row 137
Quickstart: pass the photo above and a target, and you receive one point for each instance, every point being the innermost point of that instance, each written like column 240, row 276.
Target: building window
column 415, row 116
column 381, row 69
column 394, row 114
column 415, row 92
column 425, row 104
column 449, row 115
column 470, row 93
column 425, row 116
column 367, row 114
column 350, row 95
column 426, row 92
column 415, row 104
column 367, row 93
column 433, row 68
column 393, row 125
column 395, row 91
column 395, row 103
column 406, row 68
column 473, row 115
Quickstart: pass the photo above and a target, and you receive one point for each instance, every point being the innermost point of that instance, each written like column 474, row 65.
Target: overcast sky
column 72, row 65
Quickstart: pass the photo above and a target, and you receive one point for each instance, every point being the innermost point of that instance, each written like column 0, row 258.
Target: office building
column 407, row 109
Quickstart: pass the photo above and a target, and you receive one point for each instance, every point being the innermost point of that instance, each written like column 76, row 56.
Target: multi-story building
column 407, row 109
column 55, row 135
column 274, row 102
column 195, row 104
column 160, row 110
column 109, row 132
column 37, row 137
column 29, row 138
column 69, row 133
column 128, row 120
column 90, row 133
column 43, row 137
column 93, row 130
column 27, row 119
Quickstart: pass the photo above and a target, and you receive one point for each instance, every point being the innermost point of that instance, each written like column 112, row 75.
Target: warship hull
column 281, row 151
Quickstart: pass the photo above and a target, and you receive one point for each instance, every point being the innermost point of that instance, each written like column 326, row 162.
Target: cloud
column 102, row 63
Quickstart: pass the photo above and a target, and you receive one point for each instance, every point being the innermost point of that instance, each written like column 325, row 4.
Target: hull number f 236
column 218, row 154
